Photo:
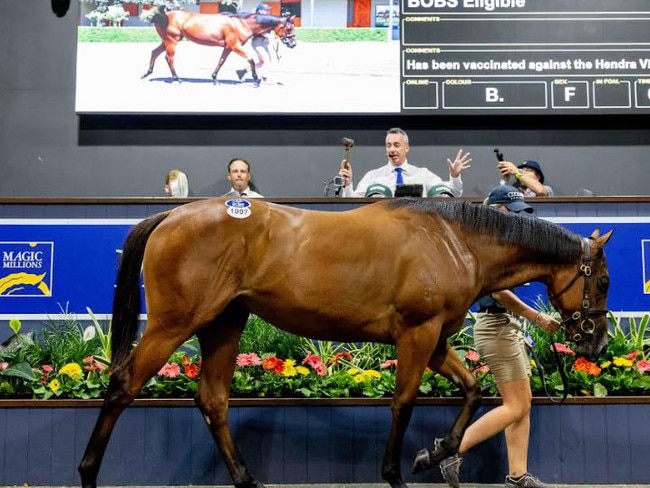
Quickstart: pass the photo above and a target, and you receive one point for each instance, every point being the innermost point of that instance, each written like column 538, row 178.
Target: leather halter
column 585, row 314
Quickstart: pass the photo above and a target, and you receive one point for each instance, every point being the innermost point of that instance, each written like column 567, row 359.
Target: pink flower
column 172, row 370
column 47, row 368
column 388, row 363
column 251, row 359
column 482, row 369
column 643, row 366
column 316, row 363
column 472, row 355
column 3, row 365
column 563, row 349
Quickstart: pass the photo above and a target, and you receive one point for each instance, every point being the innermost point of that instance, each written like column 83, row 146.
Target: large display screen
column 526, row 56
column 432, row 57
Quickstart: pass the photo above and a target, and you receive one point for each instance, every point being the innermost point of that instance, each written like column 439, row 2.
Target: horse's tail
column 159, row 18
column 126, row 301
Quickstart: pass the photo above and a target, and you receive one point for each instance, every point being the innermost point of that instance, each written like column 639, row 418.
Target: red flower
column 581, row 364
column 185, row 360
column 271, row 363
column 633, row 355
column 191, row 371
column 340, row 355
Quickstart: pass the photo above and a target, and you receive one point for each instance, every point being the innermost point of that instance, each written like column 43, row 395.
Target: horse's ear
column 601, row 240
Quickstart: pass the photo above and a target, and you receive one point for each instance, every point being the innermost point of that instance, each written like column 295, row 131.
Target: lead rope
column 542, row 374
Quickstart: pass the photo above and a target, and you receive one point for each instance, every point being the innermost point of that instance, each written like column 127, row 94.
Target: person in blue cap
column 499, row 340
column 528, row 176
column 260, row 43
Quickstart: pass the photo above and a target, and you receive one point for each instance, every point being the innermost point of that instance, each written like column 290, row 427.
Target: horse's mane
column 263, row 19
column 540, row 236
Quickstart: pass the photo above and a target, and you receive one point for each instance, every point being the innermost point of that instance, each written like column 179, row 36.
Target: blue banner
column 53, row 265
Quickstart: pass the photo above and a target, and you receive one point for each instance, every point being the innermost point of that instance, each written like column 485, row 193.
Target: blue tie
column 400, row 178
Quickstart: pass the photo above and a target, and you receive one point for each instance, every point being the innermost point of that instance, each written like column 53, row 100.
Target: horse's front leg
column 446, row 362
column 219, row 347
column 414, row 348
column 154, row 55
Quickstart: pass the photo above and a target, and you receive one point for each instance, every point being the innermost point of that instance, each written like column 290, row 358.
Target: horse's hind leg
column 145, row 360
column 219, row 346
column 154, row 55
column 446, row 362
column 222, row 59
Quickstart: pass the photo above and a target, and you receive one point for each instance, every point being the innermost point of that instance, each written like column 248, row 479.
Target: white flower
column 89, row 333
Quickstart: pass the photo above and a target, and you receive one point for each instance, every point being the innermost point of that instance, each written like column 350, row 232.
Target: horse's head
column 286, row 31
column 580, row 294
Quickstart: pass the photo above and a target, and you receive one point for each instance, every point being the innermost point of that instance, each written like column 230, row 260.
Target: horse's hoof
column 145, row 75
column 422, row 461
column 257, row 83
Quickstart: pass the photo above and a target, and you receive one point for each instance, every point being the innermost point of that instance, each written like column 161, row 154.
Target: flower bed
column 66, row 360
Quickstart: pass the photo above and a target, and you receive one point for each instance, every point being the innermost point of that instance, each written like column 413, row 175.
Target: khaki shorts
column 500, row 343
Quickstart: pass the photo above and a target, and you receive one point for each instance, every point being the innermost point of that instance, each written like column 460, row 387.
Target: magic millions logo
column 26, row 269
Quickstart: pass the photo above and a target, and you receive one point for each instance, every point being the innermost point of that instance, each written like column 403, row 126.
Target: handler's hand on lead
column 547, row 323
column 346, row 172
column 460, row 164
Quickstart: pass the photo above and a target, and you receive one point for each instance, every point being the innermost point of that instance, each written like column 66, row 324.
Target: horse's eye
column 603, row 283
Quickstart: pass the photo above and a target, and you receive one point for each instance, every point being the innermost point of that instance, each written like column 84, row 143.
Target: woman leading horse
column 230, row 31
column 401, row 271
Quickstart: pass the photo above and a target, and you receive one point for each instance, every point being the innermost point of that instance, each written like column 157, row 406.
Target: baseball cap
column 262, row 6
column 440, row 190
column 378, row 191
column 509, row 196
column 533, row 165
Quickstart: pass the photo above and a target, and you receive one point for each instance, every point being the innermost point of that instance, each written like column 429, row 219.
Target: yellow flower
column 360, row 378
column 353, row 371
column 289, row 368
column 73, row 370
column 371, row 373
column 622, row 362
column 533, row 364
column 54, row 385
column 302, row 370
column 605, row 365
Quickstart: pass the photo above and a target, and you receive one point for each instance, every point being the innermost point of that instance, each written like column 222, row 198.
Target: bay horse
column 226, row 30
column 399, row 271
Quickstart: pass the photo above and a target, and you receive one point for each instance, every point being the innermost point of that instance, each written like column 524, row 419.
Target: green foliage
column 66, row 360
column 148, row 34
